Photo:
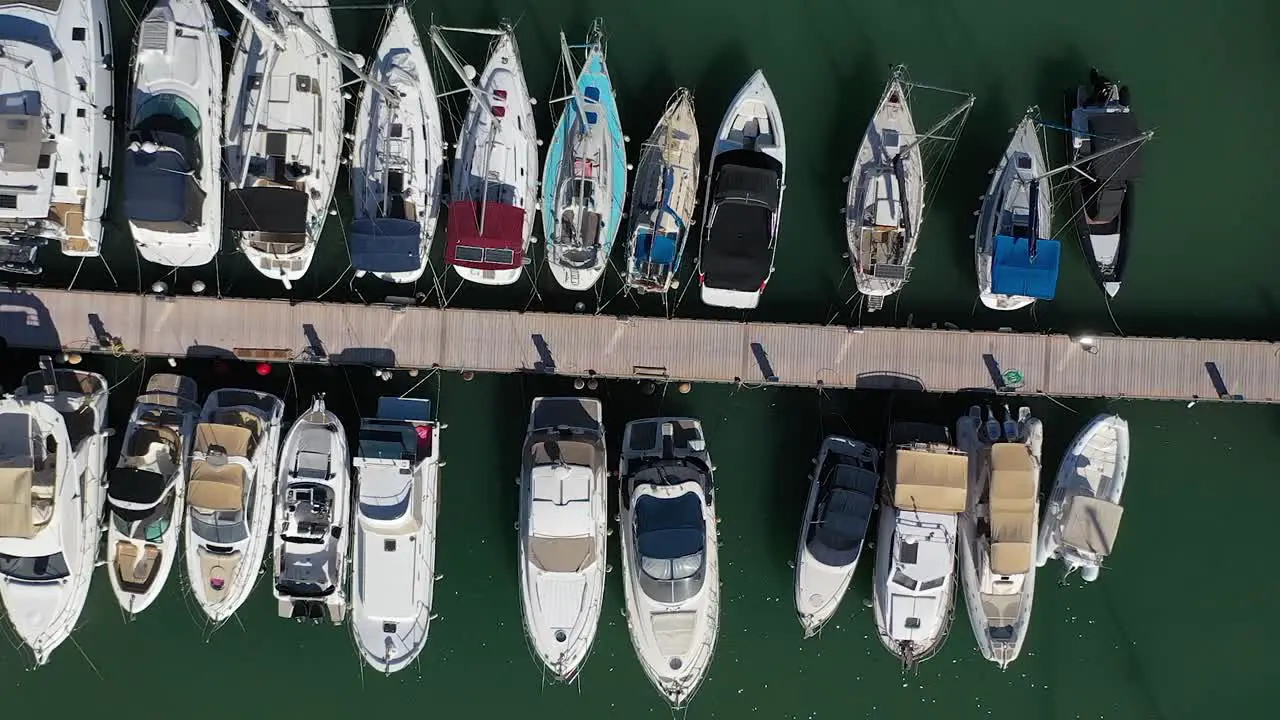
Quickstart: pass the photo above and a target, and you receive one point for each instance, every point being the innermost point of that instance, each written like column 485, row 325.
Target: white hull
column 939, row 606
column 131, row 601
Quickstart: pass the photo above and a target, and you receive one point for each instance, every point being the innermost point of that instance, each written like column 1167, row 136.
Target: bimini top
column 1108, row 129
column 134, row 492
column 386, row 245
column 738, row 251
column 1013, row 505
column 267, row 208
column 1014, row 271
column 160, row 182
column 930, row 481
column 498, row 246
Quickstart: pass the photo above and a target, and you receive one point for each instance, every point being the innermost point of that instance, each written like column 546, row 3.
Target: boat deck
column 832, row 357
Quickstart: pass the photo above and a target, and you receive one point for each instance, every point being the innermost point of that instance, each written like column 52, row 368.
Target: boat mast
column 259, row 25
column 1094, row 156
column 959, row 109
column 452, row 58
column 344, row 57
column 580, row 123
column 263, row 29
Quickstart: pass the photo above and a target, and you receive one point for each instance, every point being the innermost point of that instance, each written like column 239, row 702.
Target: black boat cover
column 836, row 534
column 1108, row 130
column 267, row 208
column 133, row 492
column 738, row 251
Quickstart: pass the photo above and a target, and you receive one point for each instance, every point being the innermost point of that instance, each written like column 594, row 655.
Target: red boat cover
column 499, row 247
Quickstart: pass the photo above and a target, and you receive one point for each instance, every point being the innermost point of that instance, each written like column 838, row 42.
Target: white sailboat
column 312, row 515
column 284, row 132
column 563, row 525
column 233, row 474
column 1082, row 516
column 493, row 195
column 998, row 529
column 173, row 161
column 926, row 485
column 842, row 496
column 53, row 451
column 745, row 181
column 397, row 166
column 56, row 90
column 393, row 558
column 885, row 205
column 670, row 554
column 146, row 496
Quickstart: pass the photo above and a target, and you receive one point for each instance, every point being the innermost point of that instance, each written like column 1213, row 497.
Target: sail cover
column 267, row 208
column 1015, row 272
column 386, row 245
column 499, row 245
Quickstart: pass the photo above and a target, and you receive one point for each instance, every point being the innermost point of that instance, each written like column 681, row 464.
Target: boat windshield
column 680, row 568
column 150, row 528
column 34, row 569
column 910, row 583
column 219, row 527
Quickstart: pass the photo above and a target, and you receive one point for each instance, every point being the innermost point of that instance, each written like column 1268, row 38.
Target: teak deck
column 655, row 348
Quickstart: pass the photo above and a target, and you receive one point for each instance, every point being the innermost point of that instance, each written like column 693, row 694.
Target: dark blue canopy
column 1015, row 272
column 837, row 533
column 670, row 528
column 386, row 245
column 159, row 185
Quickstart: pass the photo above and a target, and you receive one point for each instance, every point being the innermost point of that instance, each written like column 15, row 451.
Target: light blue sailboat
column 584, row 180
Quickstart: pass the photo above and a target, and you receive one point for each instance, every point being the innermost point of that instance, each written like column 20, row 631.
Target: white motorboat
column 1082, row 516
column 998, row 529
column 173, row 157
column 885, row 204
column 842, row 495
column 53, row 451
column 670, row 553
column 663, row 198
column 926, row 488
column 398, row 163
column 229, row 493
column 393, row 560
column 56, row 94
column 313, row 511
column 147, row 490
column 563, row 526
column 1016, row 257
column 493, row 194
column 746, row 179
column 284, row 132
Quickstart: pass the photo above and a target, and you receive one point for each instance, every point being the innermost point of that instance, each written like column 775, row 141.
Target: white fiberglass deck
column 609, row 346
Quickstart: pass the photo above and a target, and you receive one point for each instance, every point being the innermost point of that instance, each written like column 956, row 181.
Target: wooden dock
column 607, row 346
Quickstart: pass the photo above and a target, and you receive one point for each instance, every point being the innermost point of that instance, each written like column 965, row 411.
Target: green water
column 1177, row 627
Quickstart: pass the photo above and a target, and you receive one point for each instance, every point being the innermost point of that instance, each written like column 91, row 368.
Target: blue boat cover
column 668, row 528
column 160, row 186
column 1015, row 272
column 386, row 245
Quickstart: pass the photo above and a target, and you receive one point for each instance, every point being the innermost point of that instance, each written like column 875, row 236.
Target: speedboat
column 927, row 485
column 398, row 164
column 147, row 491
column 1017, row 259
column 670, row 555
column 53, row 451
column 229, row 493
column 493, row 195
column 744, row 199
column 584, row 180
column 663, row 198
column 284, row 132
column 842, row 494
column 393, row 559
column 998, row 528
column 1103, row 197
column 1082, row 516
column 313, row 508
column 563, row 526
column 173, row 163
column 55, row 178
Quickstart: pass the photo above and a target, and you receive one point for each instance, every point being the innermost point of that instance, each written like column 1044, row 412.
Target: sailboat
column 283, row 116
column 1082, row 516
column 53, row 451
column 232, row 478
column 746, row 179
column 1101, row 119
column 563, row 523
column 312, row 518
column 54, row 179
column 147, row 489
column 842, row 496
column 584, row 180
column 1017, row 259
column 172, row 163
column 670, row 553
column 998, row 528
column 663, row 198
column 393, row 555
column 885, row 205
column 926, row 486
column 494, row 189
column 398, row 165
